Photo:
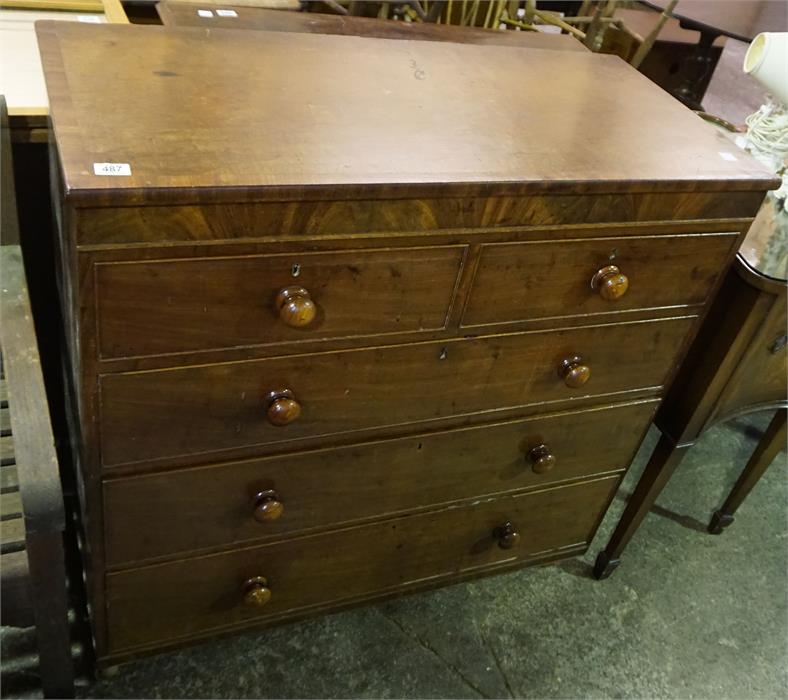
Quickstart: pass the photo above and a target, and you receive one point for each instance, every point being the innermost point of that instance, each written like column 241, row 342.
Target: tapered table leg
column 771, row 443
column 660, row 467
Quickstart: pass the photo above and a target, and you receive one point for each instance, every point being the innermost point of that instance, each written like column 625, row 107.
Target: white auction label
column 205, row 13
column 725, row 155
column 115, row 169
column 90, row 19
column 226, row 13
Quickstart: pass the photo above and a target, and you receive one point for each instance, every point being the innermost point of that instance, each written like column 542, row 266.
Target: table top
column 192, row 115
column 234, row 16
column 23, row 87
column 765, row 247
column 740, row 20
column 641, row 21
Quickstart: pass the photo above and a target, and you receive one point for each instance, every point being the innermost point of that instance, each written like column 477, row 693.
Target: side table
column 736, row 365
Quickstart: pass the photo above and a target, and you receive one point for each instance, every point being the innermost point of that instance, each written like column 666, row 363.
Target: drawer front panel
column 165, row 306
column 190, row 596
column 761, row 376
column 544, row 279
column 163, row 514
column 192, row 410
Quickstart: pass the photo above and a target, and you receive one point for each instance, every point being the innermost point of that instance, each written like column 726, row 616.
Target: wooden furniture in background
column 738, row 364
column 277, row 5
column 25, row 94
column 738, row 20
column 345, row 341
column 23, row 87
column 666, row 62
column 180, row 14
column 111, row 8
column 32, row 568
column 767, row 449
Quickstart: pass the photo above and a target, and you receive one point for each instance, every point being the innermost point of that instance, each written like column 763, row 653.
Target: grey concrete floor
column 687, row 615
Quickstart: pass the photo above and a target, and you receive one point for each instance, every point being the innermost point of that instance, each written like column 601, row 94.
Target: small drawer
column 194, row 596
column 761, row 375
column 219, row 505
column 164, row 306
column 185, row 411
column 564, row 278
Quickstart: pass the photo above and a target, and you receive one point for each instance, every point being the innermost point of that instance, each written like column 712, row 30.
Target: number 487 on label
column 111, row 169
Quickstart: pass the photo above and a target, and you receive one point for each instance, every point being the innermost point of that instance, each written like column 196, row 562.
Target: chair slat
column 7, row 455
column 9, row 479
column 12, row 535
column 16, row 606
column 10, row 505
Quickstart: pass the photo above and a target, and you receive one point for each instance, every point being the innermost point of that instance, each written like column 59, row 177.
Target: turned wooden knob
column 610, row 283
column 541, row 459
column 267, row 506
column 256, row 592
column 574, row 372
column 507, row 535
column 282, row 407
column 296, row 307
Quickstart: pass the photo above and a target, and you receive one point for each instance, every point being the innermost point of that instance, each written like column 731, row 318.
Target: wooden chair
column 32, row 563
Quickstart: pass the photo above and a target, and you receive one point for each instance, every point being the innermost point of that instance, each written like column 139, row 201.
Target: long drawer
column 193, row 410
column 162, row 514
column 564, row 278
column 191, row 596
column 152, row 307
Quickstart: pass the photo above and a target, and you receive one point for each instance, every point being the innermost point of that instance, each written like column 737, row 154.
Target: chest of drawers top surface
column 229, row 116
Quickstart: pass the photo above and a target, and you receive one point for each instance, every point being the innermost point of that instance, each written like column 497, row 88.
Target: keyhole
column 295, row 270
column 443, row 354
column 613, row 254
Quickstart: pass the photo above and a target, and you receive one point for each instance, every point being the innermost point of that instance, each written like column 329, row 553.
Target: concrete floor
column 686, row 615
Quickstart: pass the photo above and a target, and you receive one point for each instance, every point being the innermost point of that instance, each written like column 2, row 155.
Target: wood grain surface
column 517, row 281
column 191, row 111
column 201, row 409
column 213, row 302
column 145, row 515
column 196, row 595
column 153, row 225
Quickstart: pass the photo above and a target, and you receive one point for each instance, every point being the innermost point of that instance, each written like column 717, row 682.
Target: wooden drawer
column 162, row 514
column 761, row 374
column 552, row 279
column 164, row 306
column 192, row 410
column 191, row 596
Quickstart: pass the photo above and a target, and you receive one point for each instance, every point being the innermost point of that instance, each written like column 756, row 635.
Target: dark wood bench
column 32, row 563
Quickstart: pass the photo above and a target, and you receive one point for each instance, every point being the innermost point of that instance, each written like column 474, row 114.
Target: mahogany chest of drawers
column 349, row 318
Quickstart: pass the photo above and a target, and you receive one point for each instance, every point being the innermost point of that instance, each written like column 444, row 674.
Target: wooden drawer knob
column 282, row 407
column 574, row 372
column 267, row 506
column 610, row 283
column 256, row 592
column 296, row 308
column 507, row 535
column 542, row 460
